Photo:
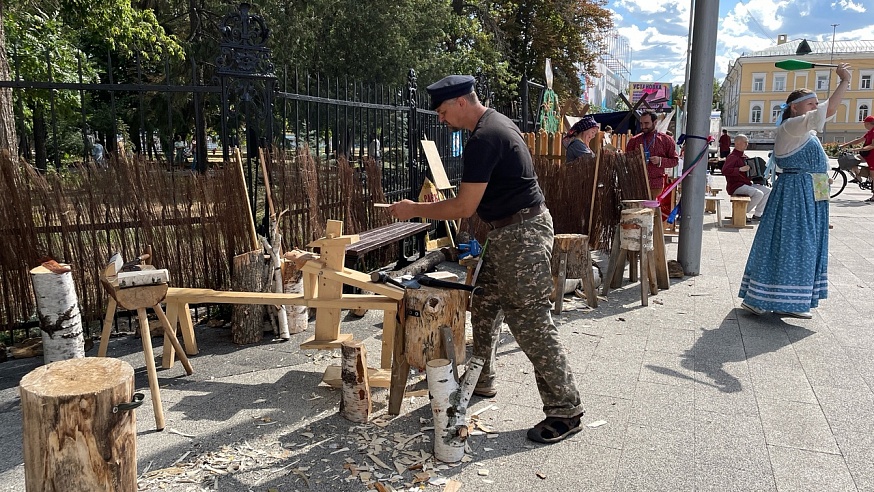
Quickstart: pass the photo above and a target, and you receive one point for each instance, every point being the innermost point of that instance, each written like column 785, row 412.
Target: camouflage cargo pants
column 517, row 280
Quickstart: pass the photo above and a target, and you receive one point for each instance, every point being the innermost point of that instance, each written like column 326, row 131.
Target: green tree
column 67, row 24
column 571, row 33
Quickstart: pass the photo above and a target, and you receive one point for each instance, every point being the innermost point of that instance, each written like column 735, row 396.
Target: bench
column 739, row 205
column 386, row 235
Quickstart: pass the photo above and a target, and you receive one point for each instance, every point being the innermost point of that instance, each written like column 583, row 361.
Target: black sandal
column 554, row 429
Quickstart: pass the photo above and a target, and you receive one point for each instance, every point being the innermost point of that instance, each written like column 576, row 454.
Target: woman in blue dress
column 787, row 270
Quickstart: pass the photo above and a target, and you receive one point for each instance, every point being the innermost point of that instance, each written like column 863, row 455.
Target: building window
column 775, row 113
column 758, row 83
column 779, row 82
column 821, row 82
column 756, row 114
column 865, row 82
column 863, row 112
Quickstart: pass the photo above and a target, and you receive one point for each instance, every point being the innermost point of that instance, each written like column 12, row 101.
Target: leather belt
column 520, row 216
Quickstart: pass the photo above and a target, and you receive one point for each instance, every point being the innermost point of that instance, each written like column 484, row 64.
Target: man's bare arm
column 462, row 206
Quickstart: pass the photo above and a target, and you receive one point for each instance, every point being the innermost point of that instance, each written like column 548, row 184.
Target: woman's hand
column 843, row 71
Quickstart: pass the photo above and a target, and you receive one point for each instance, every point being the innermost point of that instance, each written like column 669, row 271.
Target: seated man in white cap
column 499, row 184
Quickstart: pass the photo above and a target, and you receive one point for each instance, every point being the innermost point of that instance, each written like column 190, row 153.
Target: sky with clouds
column 657, row 29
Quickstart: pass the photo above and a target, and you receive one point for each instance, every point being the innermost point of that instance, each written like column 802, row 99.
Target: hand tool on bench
column 419, row 280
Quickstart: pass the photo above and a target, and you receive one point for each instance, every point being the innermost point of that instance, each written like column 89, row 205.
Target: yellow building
column 754, row 88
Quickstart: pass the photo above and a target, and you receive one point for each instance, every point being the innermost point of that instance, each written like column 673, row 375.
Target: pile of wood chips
column 377, row 457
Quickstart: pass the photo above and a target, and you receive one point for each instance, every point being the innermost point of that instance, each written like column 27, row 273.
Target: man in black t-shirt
column 499, row 184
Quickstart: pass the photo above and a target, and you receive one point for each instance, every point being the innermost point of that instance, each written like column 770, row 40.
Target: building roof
column 819, row 48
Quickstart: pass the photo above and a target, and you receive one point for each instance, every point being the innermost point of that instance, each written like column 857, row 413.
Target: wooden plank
column 313, row 344
column 661, row 261
column 379, row 378
column 202, row 296
column 389, row 325
column 432, row 156
column 384, row 236
column 356, row 279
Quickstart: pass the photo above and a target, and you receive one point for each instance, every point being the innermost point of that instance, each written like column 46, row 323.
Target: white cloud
column 645, row 78
column 849, row 5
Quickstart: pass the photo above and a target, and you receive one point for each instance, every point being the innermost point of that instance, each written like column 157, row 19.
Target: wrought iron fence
column 139, row 109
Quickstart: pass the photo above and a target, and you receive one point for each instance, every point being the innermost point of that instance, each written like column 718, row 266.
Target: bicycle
column 846, row 161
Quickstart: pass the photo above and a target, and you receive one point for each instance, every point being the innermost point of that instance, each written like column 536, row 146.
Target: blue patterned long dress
column 787, row 269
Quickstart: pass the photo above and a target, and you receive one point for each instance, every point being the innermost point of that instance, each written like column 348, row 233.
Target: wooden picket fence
column 548, row 145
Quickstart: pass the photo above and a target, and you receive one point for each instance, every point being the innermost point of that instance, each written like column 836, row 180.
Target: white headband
column 786, row 105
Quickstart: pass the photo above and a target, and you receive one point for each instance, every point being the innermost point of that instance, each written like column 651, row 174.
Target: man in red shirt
column 724, row 145
column 867, row 146
column 659, row 150
column 737, row 181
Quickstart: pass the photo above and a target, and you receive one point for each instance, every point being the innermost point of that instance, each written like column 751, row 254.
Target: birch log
column 59, row 318
column 276, row 263
column 292, row 283
column 449, row 402
column 355, row 402
column 73, row 441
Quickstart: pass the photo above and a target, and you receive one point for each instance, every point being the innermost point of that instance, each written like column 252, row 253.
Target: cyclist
column 867, row 141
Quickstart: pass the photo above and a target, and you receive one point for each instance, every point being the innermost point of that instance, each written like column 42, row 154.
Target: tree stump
column 59, row 318
column 355, row 402
column 73, row 441
column 428, row 309
column 571, row 259
column 247, row 321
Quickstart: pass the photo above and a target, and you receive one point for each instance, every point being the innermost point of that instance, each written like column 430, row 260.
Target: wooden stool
column 138, row 299
column 739, row 205
column 714, row 203
column 624, row 247
column 709, row 206
column 571, row 258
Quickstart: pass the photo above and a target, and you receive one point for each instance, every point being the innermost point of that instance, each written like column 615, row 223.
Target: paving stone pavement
column 696, row 395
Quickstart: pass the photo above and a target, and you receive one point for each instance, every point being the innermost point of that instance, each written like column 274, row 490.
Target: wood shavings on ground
column 373, row 456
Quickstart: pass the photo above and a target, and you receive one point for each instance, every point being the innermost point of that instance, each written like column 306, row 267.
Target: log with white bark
column 355, row 401
column 73, row 440
column 273, row 247
column 449, row 401
column 292, row 283
column 59, row 319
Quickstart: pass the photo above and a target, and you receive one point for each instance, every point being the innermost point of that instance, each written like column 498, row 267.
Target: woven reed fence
column 194, row 223
column 568, row 188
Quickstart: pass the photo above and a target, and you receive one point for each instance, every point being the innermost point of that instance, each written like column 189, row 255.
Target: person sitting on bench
column 738, row 183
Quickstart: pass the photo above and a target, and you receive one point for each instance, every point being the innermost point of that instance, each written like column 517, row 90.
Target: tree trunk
column 355, row 403
column 427, row 310
column 73, row 440
column 449, row 401
column 423, row 264
column 8, row 138
column 59, row 318
column 247, row 321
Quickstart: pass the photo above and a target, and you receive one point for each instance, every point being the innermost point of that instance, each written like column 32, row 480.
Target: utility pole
column 828, row 87
column 700, row 103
